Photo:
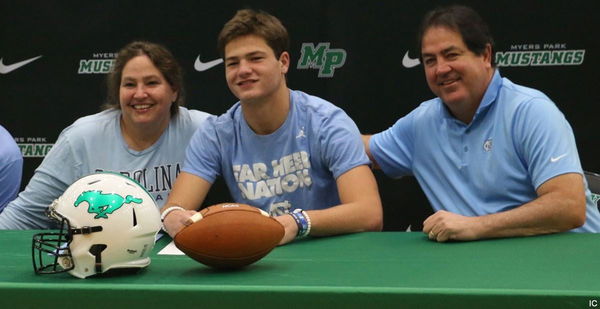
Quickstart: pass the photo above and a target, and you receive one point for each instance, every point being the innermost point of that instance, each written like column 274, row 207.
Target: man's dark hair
column 464, row 20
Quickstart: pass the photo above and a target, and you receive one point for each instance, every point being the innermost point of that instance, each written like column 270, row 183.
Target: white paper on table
column 170, row 249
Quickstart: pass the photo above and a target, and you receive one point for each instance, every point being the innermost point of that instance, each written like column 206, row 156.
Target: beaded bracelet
column 165, row 213
column 307, row 232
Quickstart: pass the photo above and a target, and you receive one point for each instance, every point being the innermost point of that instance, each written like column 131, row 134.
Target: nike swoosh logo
column 409, row 62
column 203, row 66
column 9, row 68
column 556, row 159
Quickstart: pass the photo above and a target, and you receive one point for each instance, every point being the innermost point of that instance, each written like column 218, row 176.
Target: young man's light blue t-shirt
column 294, row 167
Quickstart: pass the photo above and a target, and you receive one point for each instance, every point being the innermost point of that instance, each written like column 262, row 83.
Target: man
column 495, row 159
column 11, row 168
column 289, row 153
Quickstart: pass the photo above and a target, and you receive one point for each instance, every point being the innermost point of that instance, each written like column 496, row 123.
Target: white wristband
column 166, row 212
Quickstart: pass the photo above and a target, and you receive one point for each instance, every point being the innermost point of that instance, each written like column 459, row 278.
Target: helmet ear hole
column 96, row 250
column 134, row 217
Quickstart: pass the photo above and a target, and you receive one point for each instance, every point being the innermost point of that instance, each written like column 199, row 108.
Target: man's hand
column 443, row 226
column 290, row 227
column 176, row 220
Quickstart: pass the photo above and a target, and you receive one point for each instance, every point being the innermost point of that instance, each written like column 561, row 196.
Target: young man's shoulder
column 222, row 125
column 316, row 106
column 232, row 115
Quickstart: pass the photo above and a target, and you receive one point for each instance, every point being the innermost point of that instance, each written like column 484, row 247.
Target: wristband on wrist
column 165, row 213
column 298, row 223
column 303, row 221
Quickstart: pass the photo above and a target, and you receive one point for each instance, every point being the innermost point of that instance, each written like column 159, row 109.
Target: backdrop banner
column 360, row 55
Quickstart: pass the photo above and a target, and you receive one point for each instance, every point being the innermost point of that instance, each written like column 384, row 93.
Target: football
column 229, row 235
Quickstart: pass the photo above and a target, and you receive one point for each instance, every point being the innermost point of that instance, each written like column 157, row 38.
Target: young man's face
column 252, row 70
column 453, row 72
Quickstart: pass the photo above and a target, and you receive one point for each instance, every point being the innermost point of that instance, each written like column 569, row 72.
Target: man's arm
column 366, row 139
column 189, row 191
column 560, row 206
column 360, row 209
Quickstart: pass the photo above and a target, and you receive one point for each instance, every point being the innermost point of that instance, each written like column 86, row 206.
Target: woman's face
column 145, row 96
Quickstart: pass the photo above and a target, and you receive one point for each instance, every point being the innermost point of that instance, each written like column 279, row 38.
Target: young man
column 294, row 155
column 495, row 159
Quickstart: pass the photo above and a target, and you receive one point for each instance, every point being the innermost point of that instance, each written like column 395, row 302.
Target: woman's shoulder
column 92, row 123
column 193, row 115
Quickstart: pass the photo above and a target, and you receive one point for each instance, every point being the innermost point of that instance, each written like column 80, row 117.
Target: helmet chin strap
column 96, row 250
column 86, row 230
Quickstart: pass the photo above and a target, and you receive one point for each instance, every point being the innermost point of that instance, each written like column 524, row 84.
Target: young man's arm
column 560, row 206
column 189, row 191
column 360, row 209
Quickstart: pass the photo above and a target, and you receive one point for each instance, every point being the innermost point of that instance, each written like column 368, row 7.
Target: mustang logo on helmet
column 101, row 204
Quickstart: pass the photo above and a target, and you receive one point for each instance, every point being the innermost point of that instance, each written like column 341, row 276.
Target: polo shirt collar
column 490, row 94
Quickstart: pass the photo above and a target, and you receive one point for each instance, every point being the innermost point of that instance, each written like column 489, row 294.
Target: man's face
column 252, row 70
column 453, row 72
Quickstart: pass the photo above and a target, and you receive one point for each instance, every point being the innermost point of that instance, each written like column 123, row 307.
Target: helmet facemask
column 51, row 252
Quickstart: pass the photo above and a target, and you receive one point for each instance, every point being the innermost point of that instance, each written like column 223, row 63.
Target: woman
column 142, row 133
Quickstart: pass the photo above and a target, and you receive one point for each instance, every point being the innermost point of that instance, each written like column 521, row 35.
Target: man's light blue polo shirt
column 518, row 140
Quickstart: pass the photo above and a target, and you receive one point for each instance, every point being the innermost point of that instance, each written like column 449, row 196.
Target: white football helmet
column 106, row 221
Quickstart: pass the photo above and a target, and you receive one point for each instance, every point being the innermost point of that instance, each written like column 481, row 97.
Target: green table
column 367, row 270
